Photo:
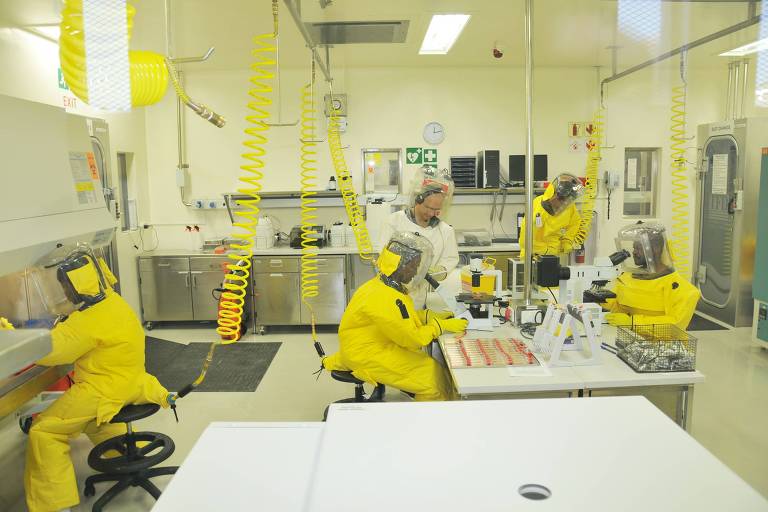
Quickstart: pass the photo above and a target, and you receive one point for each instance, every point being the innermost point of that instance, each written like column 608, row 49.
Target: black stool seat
column 138, row 453
column 143, row 457
column 345, row 377
column 132, row 412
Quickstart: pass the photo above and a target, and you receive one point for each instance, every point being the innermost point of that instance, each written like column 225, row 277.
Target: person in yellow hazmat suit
column 556, row 221
column 430, row 198
column 650, row 291
column 99, row 333
column 382, row 335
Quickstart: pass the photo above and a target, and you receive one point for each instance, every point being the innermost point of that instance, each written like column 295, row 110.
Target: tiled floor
column 730, row 415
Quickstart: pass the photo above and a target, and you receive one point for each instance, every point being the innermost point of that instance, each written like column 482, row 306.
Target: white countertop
column 593, row 454
column 611, row 373
column 285, row 250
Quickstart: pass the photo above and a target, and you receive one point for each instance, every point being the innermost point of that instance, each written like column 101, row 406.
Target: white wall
column 30, row 72
column 388, row 107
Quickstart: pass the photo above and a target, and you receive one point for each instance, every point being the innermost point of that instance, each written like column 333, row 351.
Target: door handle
column 186, row 278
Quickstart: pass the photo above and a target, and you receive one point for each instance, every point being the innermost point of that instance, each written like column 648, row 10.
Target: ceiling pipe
column 308, row 39
column 698, row 42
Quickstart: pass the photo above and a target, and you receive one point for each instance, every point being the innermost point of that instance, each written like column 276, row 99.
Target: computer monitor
column 517, row 168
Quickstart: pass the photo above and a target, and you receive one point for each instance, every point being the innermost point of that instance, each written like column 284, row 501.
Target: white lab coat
column 443, row 238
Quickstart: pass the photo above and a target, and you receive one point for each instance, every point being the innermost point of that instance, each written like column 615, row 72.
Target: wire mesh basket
column 656, row 348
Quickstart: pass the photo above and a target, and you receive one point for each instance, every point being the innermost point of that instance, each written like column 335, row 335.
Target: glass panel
column 640, row 171
column 718, row 216
column 382, row 170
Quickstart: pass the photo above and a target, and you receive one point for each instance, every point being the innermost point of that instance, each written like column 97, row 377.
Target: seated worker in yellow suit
column 382, row 335
column 556, row 219
column 650, row 291
column 104, row 339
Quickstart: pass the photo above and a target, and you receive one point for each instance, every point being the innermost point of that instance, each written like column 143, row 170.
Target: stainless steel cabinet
column 180, row 288
column 330, row 303
column 358, row 272
column 206, row 275
column 276, row 290
column 165, row 289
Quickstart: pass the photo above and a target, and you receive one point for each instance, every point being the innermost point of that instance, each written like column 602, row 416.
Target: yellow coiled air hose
column 232, row 303
column 679, row 239
column 149, row 76
column 344, row 179
column 310, row 282
column 149, row 71
column 593, row 166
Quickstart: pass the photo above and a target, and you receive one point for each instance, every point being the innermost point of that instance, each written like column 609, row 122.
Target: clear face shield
column 647, row 244
column 68, row 279
column 567, row 189
column 431, row 193
column 405, row 259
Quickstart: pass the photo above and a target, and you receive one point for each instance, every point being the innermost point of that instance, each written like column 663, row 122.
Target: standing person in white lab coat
column 430, row 196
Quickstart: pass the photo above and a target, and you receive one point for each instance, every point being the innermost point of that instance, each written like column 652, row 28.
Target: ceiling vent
column 355, row 32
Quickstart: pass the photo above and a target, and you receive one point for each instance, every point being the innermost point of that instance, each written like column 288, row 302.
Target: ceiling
column 572, row 33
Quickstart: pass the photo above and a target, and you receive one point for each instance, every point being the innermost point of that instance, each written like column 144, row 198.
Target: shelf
column 288, row 199
column 490, row 191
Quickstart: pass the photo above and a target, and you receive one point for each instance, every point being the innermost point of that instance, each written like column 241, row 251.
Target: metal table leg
column 685, row 407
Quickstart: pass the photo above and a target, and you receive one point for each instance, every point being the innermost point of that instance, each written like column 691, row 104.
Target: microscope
column 580, row 284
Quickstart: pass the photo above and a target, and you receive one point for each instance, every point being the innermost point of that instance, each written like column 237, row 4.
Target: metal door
column 165, row 289
column 717, row 220
column 207, row 274
column 99, row 132
column 276, row 298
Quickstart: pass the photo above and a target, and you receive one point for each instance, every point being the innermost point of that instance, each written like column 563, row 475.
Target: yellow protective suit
column 381, row 344
column 106, row 344
column 551, row 234
column 669, row 299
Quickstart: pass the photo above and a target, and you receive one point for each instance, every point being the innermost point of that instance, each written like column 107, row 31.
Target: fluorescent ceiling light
column 754, row 47
column 443, row 31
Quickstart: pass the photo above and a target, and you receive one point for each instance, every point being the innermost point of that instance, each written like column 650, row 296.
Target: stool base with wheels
column 377, row 395
column 139, row 452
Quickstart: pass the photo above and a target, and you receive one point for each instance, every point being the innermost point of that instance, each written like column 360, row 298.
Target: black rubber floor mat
column 699, row 323
column 238, row 367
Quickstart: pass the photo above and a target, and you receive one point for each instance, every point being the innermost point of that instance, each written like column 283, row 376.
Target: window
column 641, row 168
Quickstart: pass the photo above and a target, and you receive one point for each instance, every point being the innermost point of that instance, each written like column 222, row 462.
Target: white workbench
column 612, row 373
column 596, row 455
column 245, row 466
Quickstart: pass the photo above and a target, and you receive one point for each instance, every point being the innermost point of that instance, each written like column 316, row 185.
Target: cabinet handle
column 163, row 264
column 194, row 280
column 276, row 275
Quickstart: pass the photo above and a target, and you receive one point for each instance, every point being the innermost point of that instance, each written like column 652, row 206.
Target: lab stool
column 377, row 395
column 134, row 466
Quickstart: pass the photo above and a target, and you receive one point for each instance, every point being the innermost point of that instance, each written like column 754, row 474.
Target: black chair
column 377, row 395
column 134, row 466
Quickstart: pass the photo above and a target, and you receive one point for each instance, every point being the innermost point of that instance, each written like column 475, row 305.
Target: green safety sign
column 62, row 82
column 430, row 157
column 414, row 156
